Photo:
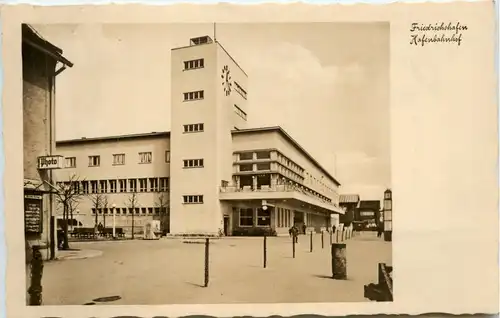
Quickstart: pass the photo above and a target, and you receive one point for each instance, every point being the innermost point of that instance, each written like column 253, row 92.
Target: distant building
column 42, row 62
column 350, row 202
column 368, row 212
column 220, row 175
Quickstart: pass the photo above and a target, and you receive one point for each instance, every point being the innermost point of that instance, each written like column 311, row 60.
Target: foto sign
column 50, row 162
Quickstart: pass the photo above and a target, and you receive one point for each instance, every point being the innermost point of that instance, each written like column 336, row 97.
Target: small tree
column 68, row 195
column 132, row 203
column 99, row 202
column 162, row 203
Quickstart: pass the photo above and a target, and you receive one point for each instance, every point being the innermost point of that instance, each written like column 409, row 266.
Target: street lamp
column 114, row 221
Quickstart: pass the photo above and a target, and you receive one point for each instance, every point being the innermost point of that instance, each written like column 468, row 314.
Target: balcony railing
column 272, row 188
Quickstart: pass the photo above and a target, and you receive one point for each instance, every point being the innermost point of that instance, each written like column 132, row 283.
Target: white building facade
column 220, row 176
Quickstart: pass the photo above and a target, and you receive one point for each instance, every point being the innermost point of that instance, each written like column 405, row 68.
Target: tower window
column 193, row 95
column 194, row 64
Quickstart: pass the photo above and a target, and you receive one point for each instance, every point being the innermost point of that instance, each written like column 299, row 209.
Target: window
column 124, row 210
column 263, row 166
column 194, row 64
column 119, row 159
column 194, row 128
column 132, row 185
column 263, row 155
column 85, row 187
column 153, row 184
column 246, row 217
column 167, row 156
column 240, row 112
column 247, row 167
column 150, row 210
column 145, row 157
column 163, row 184
column 240, row 90
column 193, row 163
column 143, row 210
column 137, row 210
column 192, row 199
column 93, row 211
column 246, row 156
column 194, row 95
column 157, row 210
column 93, row 187
column 112, row 186
column 103, row 186
column 123, row 185
column 94, row 161
column 143, row 185
column 263, row 217
column 70, row 162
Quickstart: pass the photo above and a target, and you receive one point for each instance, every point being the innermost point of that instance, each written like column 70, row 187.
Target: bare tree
column 99, row 202
column 162, row 203
column 68, row 195
column 73, row 205
column 132, row 203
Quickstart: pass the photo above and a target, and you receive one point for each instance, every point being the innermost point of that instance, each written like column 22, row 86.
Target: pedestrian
column 304, row 227
column 290, row 231
column 333, row 229
column 379, row 231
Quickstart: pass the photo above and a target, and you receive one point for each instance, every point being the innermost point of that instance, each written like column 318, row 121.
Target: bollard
column 311, row 242
column 293, row 246
column 35, row 290
column 331, row 237
column 207, row 243
column 265, row 251
column 322, row 240
column 339, row 261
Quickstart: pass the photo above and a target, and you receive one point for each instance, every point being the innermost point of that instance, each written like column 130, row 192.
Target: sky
column 326, row 84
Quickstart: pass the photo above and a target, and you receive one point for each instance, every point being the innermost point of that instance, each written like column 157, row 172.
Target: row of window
column 196, row 95
column 126, row 211
column 192, row 199
column 120, row 185
column 193, row 163
column 265, row 166
column 240, row 112
column 259, row 155
column 118, row 159
column 248, row 217
column 240, row 90
column 194, row 64
column 290, row 164
column 194, row 128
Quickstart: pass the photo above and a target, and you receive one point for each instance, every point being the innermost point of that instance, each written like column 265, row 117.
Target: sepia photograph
column 207, row 163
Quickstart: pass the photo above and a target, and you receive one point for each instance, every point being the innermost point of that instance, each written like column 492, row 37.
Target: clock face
column 226, row 80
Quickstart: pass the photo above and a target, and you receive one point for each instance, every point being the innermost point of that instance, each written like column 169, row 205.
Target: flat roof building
column 220, row 176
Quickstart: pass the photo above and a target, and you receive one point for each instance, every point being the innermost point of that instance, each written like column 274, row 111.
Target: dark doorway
column 226, row 226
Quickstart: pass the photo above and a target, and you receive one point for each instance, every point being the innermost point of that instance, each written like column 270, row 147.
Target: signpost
column 50, row 162
column 33, row 217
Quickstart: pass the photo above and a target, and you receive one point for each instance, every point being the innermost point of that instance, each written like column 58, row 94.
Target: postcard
column 250, row 159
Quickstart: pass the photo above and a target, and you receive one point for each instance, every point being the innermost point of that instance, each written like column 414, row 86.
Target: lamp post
column 114, row 221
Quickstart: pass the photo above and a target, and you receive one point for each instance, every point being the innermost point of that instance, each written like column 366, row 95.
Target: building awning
column 349, row 198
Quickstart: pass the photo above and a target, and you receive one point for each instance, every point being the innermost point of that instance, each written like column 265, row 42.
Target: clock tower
column 208, row 101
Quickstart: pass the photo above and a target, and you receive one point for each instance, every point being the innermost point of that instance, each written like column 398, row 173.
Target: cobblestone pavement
column 168, row 271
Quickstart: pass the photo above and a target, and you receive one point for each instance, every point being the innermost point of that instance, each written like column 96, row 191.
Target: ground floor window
column 263, row 217
column 246, row 217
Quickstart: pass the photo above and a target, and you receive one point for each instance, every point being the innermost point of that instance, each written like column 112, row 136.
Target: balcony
column 276, row 192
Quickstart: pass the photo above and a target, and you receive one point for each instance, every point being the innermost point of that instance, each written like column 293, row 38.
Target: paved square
column 168, row 271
